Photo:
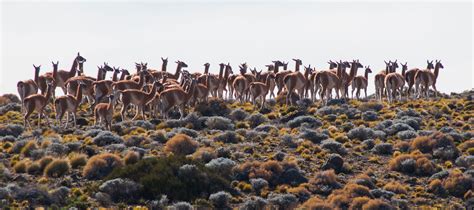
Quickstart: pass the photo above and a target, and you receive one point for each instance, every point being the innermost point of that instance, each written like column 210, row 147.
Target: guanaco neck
column 72, row 72
column 141, row 80
column 226, row 76
column 404, row 69
column 100, row 72
column 124, row 74
column 206, row 69
column 163, row 66
column 114, row 77
column 79, row 94
column 276, row 68
column 366, row 75
column 353, row 72
column 387, row 69
column 178, row 70
column 436, row 71
column 48, row 92
column 55, row 72
column 81, row 69
column 221, row 72
column 150, row 95
column 37, row 71
column 190, row 91
column 297, row 66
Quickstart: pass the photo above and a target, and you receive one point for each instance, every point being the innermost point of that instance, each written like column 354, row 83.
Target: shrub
column 316, row 203
column 238, row 114
column 376, row 204
column 45, row 161
column 57, row 168
column 324, row 182
column 312, row 135
column 106, row 138
column 436, row 187
column 168, row 176
column 274, row 172
column 11, row 130
column 181, row 144
column 183, row 130
column 256, row 119
column 221, row 165
column 395, row 187
column 397, row 127
column 438, row 144
column 375, row 106
column 361, row 133
column 457, row 184
column 369, row 116
column 465, row 161
column 78, row 160
column 21, row 166
column 258, row 184
column 101, row 165
column 254, row 203
column 333, row 146
column 219, row 123
column 408, row 134
column 34, row 168
column 413, row 163
column 310, row 120
column 158, row 136
column 204, row 154
column 284, row 201
column 220, row 199
column 229, row 137
column 29, row 148
column 213, row 107
column 121, row 189
column 383, row 149
column 182, row 205
column 131, row 157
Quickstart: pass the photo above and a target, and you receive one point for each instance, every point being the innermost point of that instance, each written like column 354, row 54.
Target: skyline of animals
column 154, row 90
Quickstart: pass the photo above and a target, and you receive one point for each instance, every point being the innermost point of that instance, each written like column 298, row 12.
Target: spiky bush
column 414, row 163
column 57, row 168
column 256, row 119
column 325, row 182
column 258, row 184
column 181, row 144
column 284, row 201
column 221, row 165
column 101, row 165
column 457, row 184
column 21, row 166
column 274, row 172
column 121, row 189
column 213, row 107
column 106, row 138
column 220, row 199
column 11, row 130
column 309, row 120
column 361, row 133
column 219, row 123
column 229, row 137
column 395, row 187
column 238, row 114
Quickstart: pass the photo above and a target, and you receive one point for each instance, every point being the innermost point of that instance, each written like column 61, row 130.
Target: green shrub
column 175, row 176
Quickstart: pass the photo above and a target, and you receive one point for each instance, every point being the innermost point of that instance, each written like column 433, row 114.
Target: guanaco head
column 144, row 66
column 165, row 60
column 308, row 69
column 298, row 61
column 79, row 58
column 107, row 67
column 270, row 67
column 439, row 65
column 243, row 68
column 55, row 65
column 125, row 71
column 207, row 65
column 404, row 66
column 394, row 66
column 357, row 62
column 181, row 64
column 332, row 64
column 37, row 68
column 116, row 70
column 138, row 66
column 228, row 68
column 285, row 65
column 367, row 69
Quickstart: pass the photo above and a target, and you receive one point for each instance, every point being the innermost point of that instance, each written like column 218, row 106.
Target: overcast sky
column 122, row 33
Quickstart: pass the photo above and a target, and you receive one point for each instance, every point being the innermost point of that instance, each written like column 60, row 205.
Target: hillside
column 348, row 154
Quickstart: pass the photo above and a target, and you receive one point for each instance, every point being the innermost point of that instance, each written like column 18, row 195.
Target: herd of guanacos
column 160, row 90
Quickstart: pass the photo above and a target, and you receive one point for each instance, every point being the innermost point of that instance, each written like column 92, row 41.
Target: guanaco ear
column 34, row 66
column 428, row 61
column 78, row 54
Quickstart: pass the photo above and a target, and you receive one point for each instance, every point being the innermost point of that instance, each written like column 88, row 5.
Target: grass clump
column 181, row 144
column 78, row 160
column 57, row 168
column 101, row 165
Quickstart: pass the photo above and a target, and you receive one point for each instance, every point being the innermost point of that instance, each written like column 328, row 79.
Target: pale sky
column 122, row 33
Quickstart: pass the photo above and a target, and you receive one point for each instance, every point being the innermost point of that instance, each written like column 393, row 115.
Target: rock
column 335, row 162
